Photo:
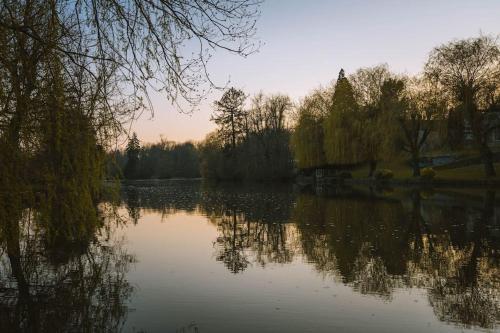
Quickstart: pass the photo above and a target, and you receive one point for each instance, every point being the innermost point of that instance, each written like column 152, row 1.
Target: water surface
column 188, row 257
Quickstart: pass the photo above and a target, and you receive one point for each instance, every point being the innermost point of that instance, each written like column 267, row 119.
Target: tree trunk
column 233, row 135
column 415, row 165
column 373, row 167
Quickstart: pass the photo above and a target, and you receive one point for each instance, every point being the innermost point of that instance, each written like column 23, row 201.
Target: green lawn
column 401, row 171
column 397, row 166
column 475, row 171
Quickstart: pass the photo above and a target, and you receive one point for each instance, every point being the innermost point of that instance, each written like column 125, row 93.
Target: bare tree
column 419, row 107
column 159, row 44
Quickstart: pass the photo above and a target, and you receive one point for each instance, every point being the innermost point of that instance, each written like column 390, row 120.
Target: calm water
column 180, row 256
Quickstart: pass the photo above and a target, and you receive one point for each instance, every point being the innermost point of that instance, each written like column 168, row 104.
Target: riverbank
column 462, row 176
column 421, row 182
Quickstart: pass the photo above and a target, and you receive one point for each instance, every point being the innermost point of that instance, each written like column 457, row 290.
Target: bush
column 384, row 174
column 427, row 173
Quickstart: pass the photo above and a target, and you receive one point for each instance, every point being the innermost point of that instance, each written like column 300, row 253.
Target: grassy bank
column 401, row 170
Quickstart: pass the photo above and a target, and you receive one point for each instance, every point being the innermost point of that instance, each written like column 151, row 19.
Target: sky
column 306, row 43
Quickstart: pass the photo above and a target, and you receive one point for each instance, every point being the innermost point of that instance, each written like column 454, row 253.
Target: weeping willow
column 71, row 161
column 54, row 125
column 307, row 142
column 307, row 137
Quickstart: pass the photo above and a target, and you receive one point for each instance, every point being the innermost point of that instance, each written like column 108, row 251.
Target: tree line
column 162, row 160
column 374, row 115
column 370, row 116
column 250, row 144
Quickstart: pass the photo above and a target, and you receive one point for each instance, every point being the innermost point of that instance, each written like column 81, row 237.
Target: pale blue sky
column 305, row 43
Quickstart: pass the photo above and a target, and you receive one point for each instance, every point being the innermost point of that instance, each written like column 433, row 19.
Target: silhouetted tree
column 133, row 150
column 230, row 116
column 419, row 107
column 251, row 145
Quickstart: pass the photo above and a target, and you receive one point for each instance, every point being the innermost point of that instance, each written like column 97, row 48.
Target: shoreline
column 334, row 181
column 410, row 182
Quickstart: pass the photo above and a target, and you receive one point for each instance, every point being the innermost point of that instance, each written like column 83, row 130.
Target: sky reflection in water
column 256, row 258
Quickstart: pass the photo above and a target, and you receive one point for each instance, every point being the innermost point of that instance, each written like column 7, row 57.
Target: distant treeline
column 161, row 160
column 250, row 144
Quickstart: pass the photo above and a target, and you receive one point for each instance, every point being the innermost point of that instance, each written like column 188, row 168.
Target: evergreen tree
column 133, row 149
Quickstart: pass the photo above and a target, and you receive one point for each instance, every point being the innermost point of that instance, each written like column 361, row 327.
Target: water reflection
column 58, row 271
column 69, row 272
column 445, row 242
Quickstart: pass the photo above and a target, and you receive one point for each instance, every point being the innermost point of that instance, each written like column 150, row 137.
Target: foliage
column 133, row 149
column 469, row 70
column 428, row 173
column 374, row 115
column 73, row 73
column 249, row 144
column 307, row 137
column 421, row 110
column 383, row 174
column 144, row 43
column 230, row 117
column 378, row 124
column 343, row 126
column 160, row 160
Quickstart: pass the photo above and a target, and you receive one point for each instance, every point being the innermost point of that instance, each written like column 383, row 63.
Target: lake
column 184, row 256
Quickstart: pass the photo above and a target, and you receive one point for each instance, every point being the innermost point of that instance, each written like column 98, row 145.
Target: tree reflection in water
column 60, row 274
column 445, row 243
column 376, row 246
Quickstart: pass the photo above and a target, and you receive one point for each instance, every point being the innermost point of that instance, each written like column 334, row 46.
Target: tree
column 266, row 149
column 377, row 131
column 133, row 149
column 143, row 40
column 277, row 107
column 73, row 70
column 249, row 144
column 418, row 106
column 230, row 116
column 342, row 126
column 308, row 133
column 469, row 69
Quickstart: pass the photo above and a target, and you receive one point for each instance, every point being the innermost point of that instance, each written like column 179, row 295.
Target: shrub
column 427, row 173
column 384, row 174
